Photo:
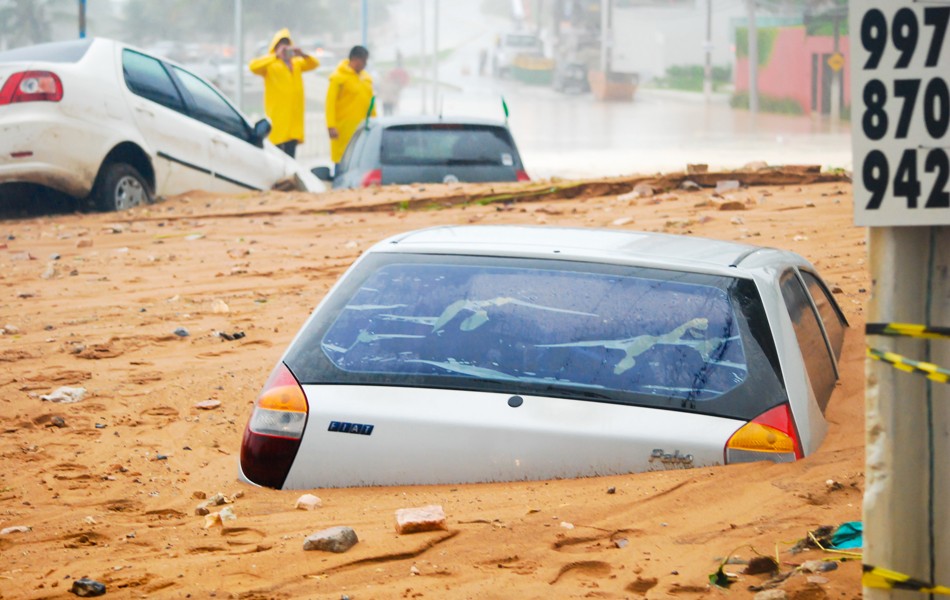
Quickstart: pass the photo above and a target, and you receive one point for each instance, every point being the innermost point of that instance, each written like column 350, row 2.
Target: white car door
column 179, row 145
column 237, row 161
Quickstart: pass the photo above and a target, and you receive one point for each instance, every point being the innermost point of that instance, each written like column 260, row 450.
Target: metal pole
column 707, row 70
column 423, row 56
column 605, row 34
column 82, row 19
column 239, row 53
column 435, row 58
column 364, row 22
column 753, row 60
column 836, row 77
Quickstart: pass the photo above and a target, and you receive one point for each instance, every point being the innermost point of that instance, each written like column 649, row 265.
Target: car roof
column 394, row 121
column 686, row 253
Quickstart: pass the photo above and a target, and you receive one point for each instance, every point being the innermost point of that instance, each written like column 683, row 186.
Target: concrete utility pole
column 836, row 74
column 606, row 36
column 364, row 22
column 423, row 57
column 435, row 58
column 82, row 19
column 753, row 59
column 707, row 47
column 239, row 53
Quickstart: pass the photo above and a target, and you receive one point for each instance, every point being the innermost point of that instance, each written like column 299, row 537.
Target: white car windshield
column 631, row 335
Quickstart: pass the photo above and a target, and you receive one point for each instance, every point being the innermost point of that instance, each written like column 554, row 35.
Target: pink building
column 797, row 69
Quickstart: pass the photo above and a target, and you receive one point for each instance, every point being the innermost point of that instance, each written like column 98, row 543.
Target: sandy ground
column 112, row 495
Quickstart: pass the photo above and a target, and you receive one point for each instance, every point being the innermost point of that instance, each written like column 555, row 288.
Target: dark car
column 402, row 150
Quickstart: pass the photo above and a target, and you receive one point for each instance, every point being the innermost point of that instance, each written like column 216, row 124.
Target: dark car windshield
column 551, row 328
column 448, row 144
column 55, row 52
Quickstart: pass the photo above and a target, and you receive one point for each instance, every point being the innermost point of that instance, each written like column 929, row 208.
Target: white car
column 476, row 354
column 97, row 118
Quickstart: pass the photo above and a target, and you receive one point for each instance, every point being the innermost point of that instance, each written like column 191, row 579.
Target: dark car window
column 629, row 335
column 818, row 361
column 448, row 144
column 55, row 52
column 211, row 108
column 828, row 309
column 147, row 77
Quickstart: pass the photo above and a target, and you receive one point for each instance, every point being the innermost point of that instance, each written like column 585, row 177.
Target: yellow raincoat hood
column 283, row 33
column 283, row 90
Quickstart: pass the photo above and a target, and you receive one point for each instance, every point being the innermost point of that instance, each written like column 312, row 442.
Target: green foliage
column 785, row 106
column 690, row 77
column 766, row 37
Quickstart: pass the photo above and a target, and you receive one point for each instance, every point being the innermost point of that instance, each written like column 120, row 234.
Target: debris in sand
column 181, row 332
column 230, row 337
column 308, row 502
column 9, row 329
column 732, row 205
column 220, row 307
column 87, row 588
column 771, row 595
column 57, row 421
column 65, row 395
column 16, row 529
column 221, row 517
column 818, row 566
column 690, row 186
column 207, row 404
column 761, row 564
column 727, row 185
column 424, row 518
column 334, row 539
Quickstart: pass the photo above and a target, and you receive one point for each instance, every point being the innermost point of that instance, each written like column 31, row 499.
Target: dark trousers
column 290, row 147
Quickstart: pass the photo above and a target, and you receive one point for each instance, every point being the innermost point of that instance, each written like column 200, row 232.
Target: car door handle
column 144, row 111
column 219, row 141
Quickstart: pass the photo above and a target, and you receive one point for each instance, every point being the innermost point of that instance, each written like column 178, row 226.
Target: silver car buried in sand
column 475, row 354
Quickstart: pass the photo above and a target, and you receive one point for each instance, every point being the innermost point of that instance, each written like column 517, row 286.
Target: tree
column 25, row 22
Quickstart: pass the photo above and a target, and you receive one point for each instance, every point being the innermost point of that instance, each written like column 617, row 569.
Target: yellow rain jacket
column 283, row 91
column 348, row 101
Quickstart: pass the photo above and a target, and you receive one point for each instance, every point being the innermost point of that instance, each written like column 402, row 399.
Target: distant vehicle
column 510, row 46
column 401, row 150
column 571, row 77
column 96, row 118
column 474, row 354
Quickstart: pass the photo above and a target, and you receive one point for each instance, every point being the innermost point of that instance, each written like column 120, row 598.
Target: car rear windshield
column 55, row 52
column 648, row 337
column 448, row 144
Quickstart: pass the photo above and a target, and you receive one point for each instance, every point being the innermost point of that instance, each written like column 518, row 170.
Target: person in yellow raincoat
column 282, row 69
column 348, row 100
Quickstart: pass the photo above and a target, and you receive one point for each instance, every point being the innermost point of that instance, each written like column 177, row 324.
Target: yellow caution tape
column 928, row 370
column 885, row 579
column 908, row 330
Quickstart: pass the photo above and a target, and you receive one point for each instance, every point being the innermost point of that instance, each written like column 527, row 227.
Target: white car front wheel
column 121, row 187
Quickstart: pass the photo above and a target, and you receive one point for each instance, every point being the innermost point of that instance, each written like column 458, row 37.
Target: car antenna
column 504, row 105
column 369, row 112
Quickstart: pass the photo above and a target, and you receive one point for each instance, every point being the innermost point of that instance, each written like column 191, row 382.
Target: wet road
column 576, row 136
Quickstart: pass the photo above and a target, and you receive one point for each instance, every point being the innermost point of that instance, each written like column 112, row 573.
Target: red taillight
column 770, row 436
column 32, row 86
column 373, row 178
column 274, row 431
column 522, row 175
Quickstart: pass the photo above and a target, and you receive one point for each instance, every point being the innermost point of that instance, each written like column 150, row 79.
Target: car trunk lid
column 375, row 435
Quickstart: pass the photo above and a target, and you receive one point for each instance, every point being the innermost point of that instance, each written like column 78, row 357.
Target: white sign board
column 900, row 111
